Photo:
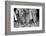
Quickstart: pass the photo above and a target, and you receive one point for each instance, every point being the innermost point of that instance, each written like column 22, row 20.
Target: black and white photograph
column 23, row 17
column 26, row 17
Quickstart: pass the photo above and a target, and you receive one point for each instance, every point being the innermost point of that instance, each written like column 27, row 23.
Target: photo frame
column 24, row 17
